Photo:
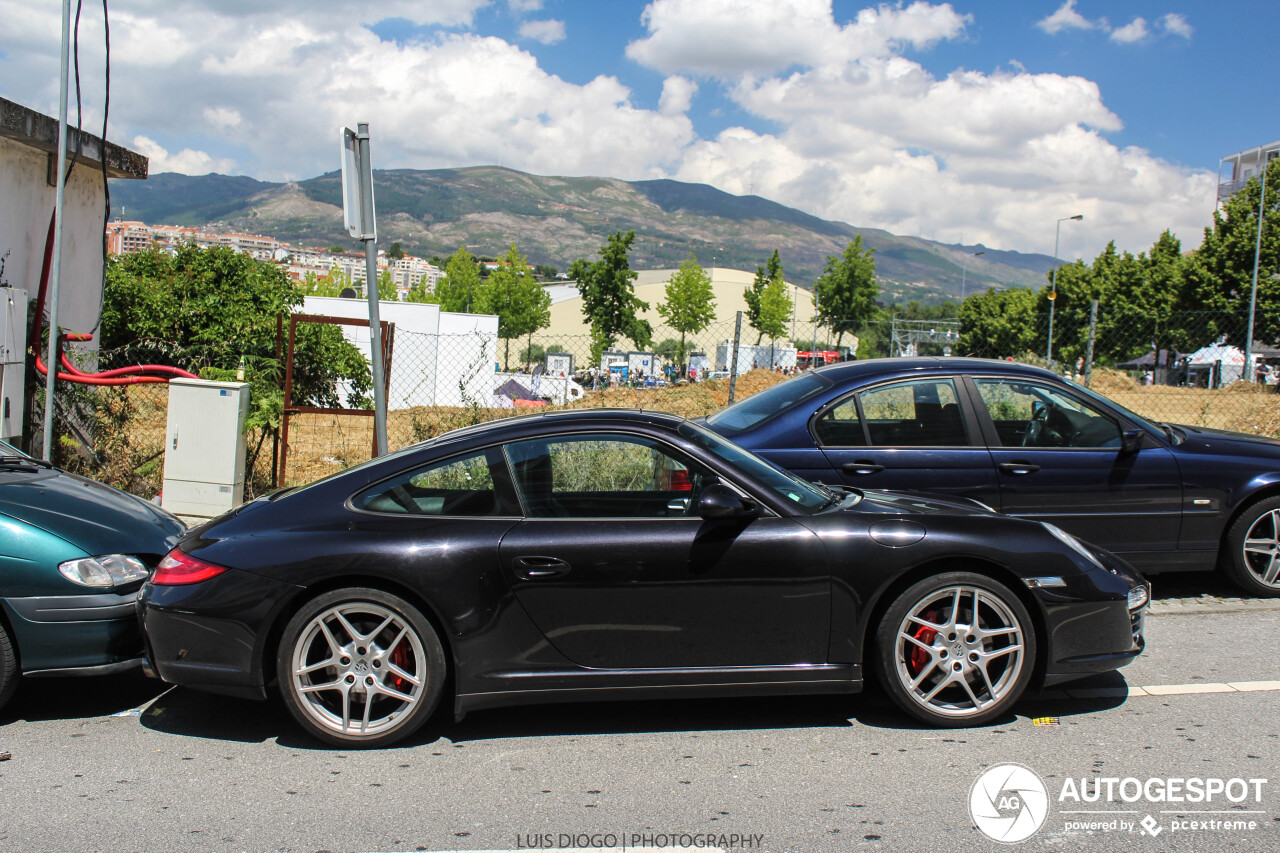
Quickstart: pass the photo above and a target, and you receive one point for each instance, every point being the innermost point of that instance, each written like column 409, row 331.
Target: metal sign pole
column 361, row 221
column 55, row 277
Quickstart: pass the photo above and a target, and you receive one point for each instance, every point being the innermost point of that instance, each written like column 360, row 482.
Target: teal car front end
column 73, row 555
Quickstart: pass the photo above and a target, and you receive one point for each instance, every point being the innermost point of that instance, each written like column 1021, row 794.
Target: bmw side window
column 922, row 413
column 603, row 476
column 840, row 426
column 1028, row 414
column 459, row 487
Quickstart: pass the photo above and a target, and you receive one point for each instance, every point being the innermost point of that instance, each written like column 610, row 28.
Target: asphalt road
column 126, row 765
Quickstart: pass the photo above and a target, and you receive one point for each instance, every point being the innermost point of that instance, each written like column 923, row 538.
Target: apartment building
column 1235, row 170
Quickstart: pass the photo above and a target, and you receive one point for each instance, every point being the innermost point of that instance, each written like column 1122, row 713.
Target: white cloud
column 724, row 38
column 845, row 126
column 1067, row 18
column 677, row 95
column 185, row 162
column 1176, row 25
column 222, row 118
column 1136, row 30
column 522, row 7
column 547, row 32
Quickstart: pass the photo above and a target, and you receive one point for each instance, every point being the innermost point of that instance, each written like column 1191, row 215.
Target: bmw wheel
column 360, row 667
column 957, row 649
column 1251, row 557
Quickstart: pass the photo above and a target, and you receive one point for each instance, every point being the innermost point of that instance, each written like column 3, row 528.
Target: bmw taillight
column 179, row 568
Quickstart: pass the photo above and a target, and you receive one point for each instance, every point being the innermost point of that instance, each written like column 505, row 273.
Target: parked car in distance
column 73, row 554
column 1165, row 497
column 605, row 554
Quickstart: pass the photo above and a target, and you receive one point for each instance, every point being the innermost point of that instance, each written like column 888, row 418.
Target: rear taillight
column 181, row 568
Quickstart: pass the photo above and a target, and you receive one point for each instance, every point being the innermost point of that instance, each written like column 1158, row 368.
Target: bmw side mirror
column 719, row 501
column 1131, row 441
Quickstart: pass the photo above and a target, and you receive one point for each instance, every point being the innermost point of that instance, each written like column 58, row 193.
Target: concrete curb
column 1187, row 606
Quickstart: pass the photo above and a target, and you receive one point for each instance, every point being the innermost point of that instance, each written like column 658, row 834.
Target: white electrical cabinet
column 13, row 354
column 204, row 447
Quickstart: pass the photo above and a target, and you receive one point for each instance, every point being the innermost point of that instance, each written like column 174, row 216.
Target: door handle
column 540, row 567
column 861, row 467
column 1018, row 468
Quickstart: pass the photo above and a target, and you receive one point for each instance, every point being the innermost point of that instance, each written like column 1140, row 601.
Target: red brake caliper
column 919, row 657
column 400, row 658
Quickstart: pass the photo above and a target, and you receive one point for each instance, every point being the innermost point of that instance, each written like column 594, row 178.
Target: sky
column 964, row 122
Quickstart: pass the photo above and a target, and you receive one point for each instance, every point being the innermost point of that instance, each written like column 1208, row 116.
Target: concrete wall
column 28, row 202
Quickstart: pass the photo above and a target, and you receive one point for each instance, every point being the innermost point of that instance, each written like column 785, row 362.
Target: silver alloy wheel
column 358, row 669
column 1261, row 549
column 959, row 650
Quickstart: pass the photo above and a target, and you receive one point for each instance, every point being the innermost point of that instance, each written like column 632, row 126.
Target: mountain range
column 555, row 220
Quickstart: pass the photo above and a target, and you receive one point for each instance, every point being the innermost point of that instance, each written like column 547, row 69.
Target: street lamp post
column 1053, row 286
column 1253, row 293
column 964, row 269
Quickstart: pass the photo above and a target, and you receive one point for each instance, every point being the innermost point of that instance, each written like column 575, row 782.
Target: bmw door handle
column 861, row 467
column 1018, row 468
column 535, row 568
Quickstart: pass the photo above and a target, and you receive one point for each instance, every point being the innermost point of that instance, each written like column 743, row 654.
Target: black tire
column 369, row 688
column 958, row 678
column 1249, row 569
column 9, row 673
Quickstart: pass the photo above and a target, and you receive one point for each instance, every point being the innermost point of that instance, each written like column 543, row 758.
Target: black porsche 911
column 604, row 554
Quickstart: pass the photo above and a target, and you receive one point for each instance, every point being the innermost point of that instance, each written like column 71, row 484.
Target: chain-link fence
column 1188, row 368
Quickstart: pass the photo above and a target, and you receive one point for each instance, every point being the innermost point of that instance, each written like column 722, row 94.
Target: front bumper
column 90, row 634
column 1091, row 627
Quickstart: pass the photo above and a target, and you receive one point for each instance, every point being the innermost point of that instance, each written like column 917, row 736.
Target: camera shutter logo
column 1009, row 803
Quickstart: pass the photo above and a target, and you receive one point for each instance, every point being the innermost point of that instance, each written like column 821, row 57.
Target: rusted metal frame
column 388, row 337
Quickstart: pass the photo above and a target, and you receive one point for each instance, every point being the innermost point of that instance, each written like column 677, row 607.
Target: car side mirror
column 719, row 501
column 1131, row 441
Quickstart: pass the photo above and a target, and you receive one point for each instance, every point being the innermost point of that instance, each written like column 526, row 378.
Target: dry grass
column 325, row 444
column 1241, row 406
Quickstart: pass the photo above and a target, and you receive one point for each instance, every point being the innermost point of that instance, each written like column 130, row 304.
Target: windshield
column 759, row 408
column 796, row 492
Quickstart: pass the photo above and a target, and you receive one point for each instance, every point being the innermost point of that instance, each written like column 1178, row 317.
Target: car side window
column 463, row 486
column 920, row 413
column 840, row 426
column 603, row 475
column 1032, row 414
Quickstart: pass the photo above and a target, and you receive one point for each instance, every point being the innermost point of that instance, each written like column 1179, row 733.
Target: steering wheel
column 1031, row 436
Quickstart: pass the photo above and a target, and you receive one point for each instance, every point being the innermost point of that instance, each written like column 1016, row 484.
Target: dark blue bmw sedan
column 1023, row 440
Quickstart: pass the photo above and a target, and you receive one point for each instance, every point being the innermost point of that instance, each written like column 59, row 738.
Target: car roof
column 533, row 423
column 847, row 371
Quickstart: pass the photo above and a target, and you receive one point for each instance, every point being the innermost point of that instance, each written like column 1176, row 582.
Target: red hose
column 116, row 376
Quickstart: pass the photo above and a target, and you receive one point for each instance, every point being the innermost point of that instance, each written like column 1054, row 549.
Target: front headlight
column 1138, row 596
column 111, row 570
column 1073, row 543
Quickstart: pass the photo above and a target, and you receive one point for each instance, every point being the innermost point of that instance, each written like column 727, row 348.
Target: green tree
column 1219, row 276
column 387, row 291
column 460, row 289
column 331, row 283
column 998, row 323
column 395, row 252
column 671, row 350
column 204, row 309
column 609, row 300
column 845, row 294
column 545, row 271
column 690, row 305
column 755, row 293
column 521, row 302
column 775, row 310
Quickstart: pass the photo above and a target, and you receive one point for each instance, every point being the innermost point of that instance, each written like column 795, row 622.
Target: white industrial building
column 439, row 358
